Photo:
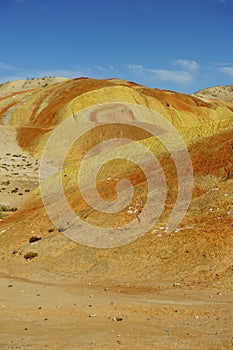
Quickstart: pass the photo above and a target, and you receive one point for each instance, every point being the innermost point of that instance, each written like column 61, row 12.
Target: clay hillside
column 223, row 93
column 197, row 255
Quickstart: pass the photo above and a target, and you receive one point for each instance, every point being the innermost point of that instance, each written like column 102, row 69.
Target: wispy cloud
column 104, row 69
column 6, row 66
column 225, row 2
column 37, row 4
column 180, row 77
column 14, row 73
column 226, row 70
column 95, row 71
column 175, row 76
column 222, row 64
column 190, row 65
column 56, row 73
column 8, row 72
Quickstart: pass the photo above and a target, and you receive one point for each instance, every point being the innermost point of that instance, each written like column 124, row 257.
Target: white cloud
column 221, row 64
column 14, row 73
column 139, row 70
column 95, row 71
column 225, row 2
column 135, row 66
column 7, row 66
column 176, row 76
column 186, row 64
column 55, row 73
column 98, row 72
column 100, row 68
column 226, row 70
column 180, row 77
column 104, row 69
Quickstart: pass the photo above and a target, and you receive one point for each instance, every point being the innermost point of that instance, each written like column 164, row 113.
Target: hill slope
column 207, row 131
column 153, row 285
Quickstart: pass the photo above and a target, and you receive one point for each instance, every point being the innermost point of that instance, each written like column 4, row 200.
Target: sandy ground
column 57, row 313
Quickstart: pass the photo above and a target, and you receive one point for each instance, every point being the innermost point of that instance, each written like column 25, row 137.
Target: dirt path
column 80, row 315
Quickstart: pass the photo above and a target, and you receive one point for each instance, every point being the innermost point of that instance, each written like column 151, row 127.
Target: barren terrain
column 161, row 291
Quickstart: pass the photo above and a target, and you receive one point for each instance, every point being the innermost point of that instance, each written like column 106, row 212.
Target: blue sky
column 181, row 45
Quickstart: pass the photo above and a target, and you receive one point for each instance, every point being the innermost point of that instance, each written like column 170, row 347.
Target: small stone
column 34, row 239
column 118, row 319
column 92, row 315
column 196, row 317
column 176, row 284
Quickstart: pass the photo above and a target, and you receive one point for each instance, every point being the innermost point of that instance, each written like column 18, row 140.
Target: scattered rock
column 118, row 319
column 34, row 239
column 30, row 255
column 176, row 284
